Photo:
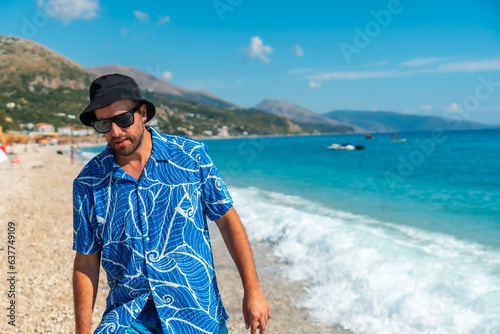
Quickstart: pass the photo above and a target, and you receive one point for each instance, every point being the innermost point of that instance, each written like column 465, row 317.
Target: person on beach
column 139, row 208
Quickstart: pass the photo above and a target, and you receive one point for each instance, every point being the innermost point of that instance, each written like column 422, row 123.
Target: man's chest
column 149, row 208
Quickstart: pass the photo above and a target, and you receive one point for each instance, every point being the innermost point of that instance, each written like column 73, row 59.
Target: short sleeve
column 85, row 240
column 216, row 198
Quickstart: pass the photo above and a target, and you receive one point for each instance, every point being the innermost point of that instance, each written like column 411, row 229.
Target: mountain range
column 304, row 116
column 40, row 85
column 47, row 87
column 153, row 84
column 386, row 121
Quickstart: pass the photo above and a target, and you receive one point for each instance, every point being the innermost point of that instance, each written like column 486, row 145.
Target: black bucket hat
column 110, row 88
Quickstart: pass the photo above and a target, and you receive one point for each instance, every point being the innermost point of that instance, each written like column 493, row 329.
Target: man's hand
column 256, row 311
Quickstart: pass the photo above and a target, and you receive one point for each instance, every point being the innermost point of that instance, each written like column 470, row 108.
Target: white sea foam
column 376, row 277
column 84, row 156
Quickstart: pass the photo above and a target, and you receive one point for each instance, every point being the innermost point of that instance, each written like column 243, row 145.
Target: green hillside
column 173, row 114
column 46, row 87
column 54, row 105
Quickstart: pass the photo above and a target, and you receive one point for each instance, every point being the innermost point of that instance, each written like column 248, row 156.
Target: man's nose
column 115, row 130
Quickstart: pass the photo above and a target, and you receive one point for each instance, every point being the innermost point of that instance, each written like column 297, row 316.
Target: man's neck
column 134, row 164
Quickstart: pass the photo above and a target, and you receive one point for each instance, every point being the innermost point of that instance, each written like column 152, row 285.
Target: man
column 140, row 207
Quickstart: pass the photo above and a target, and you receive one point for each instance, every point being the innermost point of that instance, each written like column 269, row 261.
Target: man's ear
column 144, row 113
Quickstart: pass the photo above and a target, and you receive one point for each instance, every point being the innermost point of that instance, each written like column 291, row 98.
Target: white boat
column 341, row 147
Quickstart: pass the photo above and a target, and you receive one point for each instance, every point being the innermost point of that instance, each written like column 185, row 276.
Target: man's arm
column 85, row 282
column 255, row 306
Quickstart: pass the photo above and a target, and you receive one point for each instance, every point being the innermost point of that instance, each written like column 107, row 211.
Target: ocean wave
column 376, row 277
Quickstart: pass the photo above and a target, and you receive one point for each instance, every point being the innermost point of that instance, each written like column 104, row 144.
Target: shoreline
column 37, row 197
column 282, row 293
column 278, row 136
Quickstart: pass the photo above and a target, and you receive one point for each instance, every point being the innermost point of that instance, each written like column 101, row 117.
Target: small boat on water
column 345, row 146
column 368, row 136
column 341, row 147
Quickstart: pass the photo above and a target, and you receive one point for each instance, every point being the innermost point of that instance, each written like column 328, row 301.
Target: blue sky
column 420, row 57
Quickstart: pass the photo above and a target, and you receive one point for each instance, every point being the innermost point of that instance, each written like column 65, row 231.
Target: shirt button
column 140, row 188
column 148, row 238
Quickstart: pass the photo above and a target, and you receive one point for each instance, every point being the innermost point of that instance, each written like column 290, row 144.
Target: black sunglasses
column 123, row 121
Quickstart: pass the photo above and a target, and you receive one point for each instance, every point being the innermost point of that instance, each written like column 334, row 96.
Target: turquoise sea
column 401, row 237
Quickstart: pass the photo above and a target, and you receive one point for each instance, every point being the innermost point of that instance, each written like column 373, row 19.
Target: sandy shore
column 36, row 196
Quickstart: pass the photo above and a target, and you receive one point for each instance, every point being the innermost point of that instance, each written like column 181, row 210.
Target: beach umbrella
column 3, row 154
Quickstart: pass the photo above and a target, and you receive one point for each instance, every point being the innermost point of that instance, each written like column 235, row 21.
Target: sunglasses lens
column 124, row 120
column 103, row 126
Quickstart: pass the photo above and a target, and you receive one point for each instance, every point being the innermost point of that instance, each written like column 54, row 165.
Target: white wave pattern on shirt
column 153, row 235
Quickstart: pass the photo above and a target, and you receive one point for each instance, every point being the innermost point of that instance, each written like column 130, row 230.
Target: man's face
column 124, row 141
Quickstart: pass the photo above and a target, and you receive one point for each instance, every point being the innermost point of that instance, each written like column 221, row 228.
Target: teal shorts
column 148, row 322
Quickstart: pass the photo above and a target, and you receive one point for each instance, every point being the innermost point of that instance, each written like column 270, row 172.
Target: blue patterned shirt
column 153, row 234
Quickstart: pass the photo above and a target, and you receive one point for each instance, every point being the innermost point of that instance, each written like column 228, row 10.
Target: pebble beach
column 36, row 208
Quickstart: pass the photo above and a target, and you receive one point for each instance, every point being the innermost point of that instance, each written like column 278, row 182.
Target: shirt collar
column 160, row 150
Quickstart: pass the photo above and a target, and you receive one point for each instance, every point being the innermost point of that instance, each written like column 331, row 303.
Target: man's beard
column 135, row 142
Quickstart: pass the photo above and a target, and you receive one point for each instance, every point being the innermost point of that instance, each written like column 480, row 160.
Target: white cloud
column 492, row 64
column 419, row 61
column 425, row 107
column 298, row 51
column 163, row 20
column 167, row 76
column 257, row 49
column 124, row 31
column 142, row 16
column 452, row 107
column 69, row 10
column 314, row 84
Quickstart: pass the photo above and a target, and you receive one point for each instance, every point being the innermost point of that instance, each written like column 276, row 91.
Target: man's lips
column 120, row 142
